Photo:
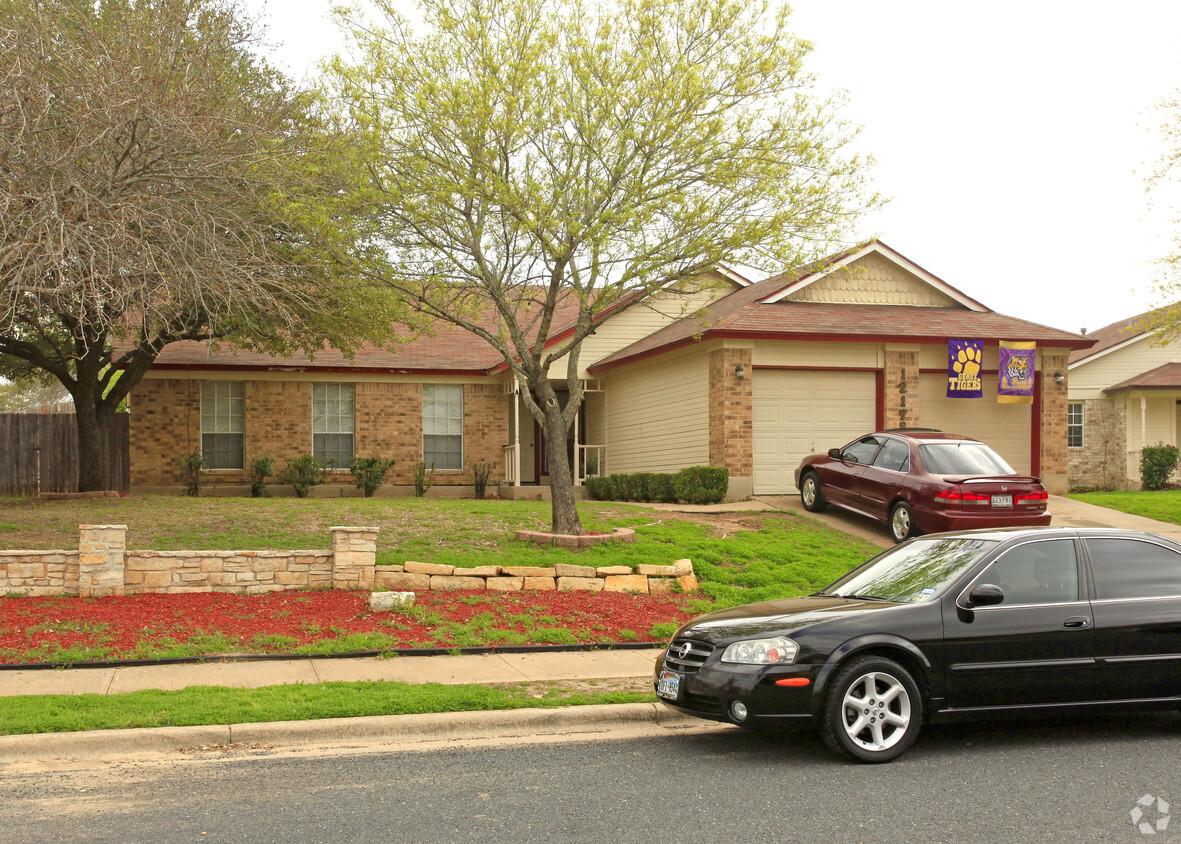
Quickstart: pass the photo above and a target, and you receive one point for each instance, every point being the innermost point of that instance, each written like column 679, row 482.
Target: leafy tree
column 518, row 155
column 155, row 176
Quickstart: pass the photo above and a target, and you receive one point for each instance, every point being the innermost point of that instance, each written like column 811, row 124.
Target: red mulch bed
column 145, row 626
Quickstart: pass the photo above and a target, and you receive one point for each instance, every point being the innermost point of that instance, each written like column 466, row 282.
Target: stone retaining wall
column 102, row 566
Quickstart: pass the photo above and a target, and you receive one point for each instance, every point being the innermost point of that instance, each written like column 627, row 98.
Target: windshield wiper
column 865, row 598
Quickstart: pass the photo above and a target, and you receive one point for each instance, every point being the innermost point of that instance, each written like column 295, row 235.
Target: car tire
column 811, row 495
column 873, row 710
column 902, row 524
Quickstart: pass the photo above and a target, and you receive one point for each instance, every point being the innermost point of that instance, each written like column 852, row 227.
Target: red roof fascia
column 336, row 370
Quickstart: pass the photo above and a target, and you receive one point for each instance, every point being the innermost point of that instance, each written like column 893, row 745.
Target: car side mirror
column 986, row 595
column 834, row 453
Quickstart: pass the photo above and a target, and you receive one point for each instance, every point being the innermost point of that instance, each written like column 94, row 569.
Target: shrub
column 261, row 468
column 701, row 484
column 599, row 488
column 369, row 473
column 660, row 488
column 480, row 473
column 423, row 479
column 191, row 468
column 1157, row 463
column 304, row 473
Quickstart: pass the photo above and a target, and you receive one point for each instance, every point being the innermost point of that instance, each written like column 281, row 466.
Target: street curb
column 390, row 729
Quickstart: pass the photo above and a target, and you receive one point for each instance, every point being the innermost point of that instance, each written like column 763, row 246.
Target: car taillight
column 1032, row 496
column 954, row 495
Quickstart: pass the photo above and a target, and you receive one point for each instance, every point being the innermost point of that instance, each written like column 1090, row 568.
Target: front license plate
column 669, row 685
column 1002, row 501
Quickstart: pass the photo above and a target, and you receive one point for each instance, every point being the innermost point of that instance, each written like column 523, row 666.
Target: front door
column 1034, row 647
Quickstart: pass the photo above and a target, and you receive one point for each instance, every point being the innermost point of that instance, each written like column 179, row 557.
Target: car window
column 1131, row 568
column 914, row 571
column 1035, row 573
column 962, row 458
column 895, row 455
column 861, row 451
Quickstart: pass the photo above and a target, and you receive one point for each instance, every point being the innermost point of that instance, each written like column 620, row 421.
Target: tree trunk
column 94, row 430
column 565, row 506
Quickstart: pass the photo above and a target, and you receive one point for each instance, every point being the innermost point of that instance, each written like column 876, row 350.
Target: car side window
column 861, row 451
column 895, row 455
column 1132, row 568
column 1036, row 573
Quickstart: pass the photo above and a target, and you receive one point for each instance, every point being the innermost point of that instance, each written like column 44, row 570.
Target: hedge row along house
column 748, row 375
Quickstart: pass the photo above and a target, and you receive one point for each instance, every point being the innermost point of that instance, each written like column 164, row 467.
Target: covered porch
column 526, row 469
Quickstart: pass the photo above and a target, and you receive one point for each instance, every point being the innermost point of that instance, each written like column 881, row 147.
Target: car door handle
column 1076, row 621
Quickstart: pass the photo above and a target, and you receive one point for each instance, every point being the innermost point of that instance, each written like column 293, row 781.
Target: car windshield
column 963, row 458
column 913, row 572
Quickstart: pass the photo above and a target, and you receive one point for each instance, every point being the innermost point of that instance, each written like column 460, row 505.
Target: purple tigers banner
column 964, row 361
column 1015, row 379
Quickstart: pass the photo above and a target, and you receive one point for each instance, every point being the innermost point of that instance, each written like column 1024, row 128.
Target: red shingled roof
column 1112, row 335
column 1164, row 377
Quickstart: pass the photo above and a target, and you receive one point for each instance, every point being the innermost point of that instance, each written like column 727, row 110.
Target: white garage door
column 1005, row 427
column 798, row 412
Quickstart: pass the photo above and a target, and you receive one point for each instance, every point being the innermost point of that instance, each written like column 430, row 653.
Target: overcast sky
column 1012, row 138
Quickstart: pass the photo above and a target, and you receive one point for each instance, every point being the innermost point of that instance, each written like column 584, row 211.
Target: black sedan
column 973, row 623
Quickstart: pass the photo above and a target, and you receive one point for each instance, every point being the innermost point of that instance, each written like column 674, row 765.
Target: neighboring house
column 1124, row 394
column 751, row 376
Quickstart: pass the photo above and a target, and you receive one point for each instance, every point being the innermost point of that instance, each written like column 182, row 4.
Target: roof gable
column 872, row 274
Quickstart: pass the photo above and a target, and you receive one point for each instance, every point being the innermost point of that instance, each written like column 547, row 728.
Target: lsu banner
column 964, row 360
column 1018, row 362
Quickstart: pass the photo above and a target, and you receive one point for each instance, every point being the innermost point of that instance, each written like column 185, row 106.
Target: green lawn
column 1163, row 505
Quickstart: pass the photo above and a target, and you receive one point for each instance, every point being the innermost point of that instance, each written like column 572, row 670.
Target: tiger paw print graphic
column 967, row 364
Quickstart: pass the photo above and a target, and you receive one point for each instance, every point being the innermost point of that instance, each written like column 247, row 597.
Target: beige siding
column 1088, row 379
column 1005, row 427
column 873, row 280
column 658, row 414
column 802, row 412
column 803, row 353
column 643, row 319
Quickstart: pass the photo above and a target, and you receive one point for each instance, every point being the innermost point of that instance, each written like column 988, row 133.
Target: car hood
column 775, row 617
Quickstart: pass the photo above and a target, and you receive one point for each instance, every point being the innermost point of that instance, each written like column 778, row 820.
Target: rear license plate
column 669, row 685
column 1002, row 501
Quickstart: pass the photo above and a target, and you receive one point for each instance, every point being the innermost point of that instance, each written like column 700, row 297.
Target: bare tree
column 525, row 156
column 158, row 182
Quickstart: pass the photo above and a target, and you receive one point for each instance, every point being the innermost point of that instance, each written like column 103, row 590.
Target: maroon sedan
column 922, row 481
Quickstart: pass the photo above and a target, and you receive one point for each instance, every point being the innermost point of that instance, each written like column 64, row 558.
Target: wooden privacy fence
column 56, row 435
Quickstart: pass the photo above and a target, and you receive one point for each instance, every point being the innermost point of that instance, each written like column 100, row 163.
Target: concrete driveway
column 1066, row 513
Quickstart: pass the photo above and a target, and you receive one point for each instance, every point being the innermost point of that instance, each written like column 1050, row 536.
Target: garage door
column 1005, row 427
column 798, row 412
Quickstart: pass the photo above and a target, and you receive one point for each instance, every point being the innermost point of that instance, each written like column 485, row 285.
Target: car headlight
column 776, row 651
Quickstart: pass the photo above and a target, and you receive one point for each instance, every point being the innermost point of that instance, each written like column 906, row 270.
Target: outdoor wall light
column 1059, row 378
column 740, row 372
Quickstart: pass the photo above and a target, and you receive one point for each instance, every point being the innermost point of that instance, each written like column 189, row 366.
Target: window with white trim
column 333, row 424
column 442, row 425
column 1074, row 425
column 223, row 424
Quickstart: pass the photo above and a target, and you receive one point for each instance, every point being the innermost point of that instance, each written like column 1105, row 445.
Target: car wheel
column 811, row 495
column 873, row 710
column 902, row 525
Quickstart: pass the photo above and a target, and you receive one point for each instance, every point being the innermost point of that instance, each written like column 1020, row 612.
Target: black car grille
column 686, row 656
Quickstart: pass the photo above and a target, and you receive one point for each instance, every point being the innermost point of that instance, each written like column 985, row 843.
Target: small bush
column 599, row 488
column 423, row 479
column 191, row 468
column 660, row 488
column 369, row 473
column 261, row 468
column 701, row 484
column 480, row 473
column 1157, row 463
column 304, row 473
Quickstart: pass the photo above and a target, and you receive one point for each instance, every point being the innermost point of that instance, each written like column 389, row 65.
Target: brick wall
column 902, row 389
column 166, row 424
column 731, row 408
column 1102, row 461
column 1054, row 459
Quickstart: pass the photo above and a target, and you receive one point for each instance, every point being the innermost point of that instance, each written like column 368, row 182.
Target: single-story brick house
column 751, row 376
column 1124, row 394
